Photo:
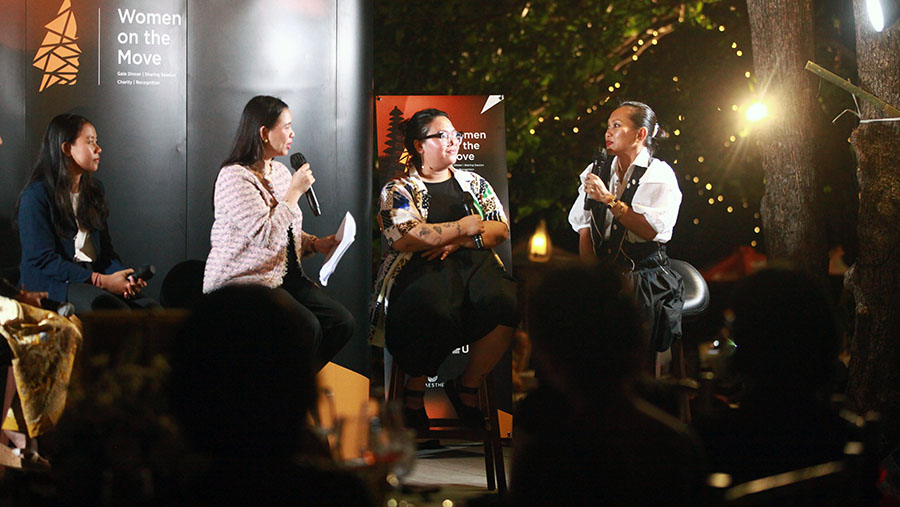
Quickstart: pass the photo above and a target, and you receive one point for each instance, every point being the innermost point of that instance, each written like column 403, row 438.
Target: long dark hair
column 416, row 129
column 642, row 116
column 52, row 168
column 248, row 148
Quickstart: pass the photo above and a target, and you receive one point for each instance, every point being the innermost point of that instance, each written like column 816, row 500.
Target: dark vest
column 609, row 249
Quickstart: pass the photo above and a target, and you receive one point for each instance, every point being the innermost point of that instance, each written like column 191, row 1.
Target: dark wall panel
column 14, row 156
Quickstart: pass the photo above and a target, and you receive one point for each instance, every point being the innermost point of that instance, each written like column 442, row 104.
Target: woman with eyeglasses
column 635, row 205
column 440, row 286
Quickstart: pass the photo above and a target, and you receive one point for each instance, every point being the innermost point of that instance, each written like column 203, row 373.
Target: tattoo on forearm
column 424, row 231
column 438, row 229
column 458, row 229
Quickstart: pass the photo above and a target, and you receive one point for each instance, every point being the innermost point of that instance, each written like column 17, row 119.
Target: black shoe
column 470, row 416
column 415, row 418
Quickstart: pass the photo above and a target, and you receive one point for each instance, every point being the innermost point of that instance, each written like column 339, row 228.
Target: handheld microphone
column 145, row 272
column 64, row 309
column 473, row 210
column 297, row 160
column 600, row 159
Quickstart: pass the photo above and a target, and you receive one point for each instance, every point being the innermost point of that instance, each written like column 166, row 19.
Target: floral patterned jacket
column 404, row 204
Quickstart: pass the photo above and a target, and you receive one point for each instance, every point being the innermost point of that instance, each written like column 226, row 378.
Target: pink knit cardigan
column 249, row 235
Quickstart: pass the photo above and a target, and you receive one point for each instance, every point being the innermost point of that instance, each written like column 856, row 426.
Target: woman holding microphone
column 257, row 234
column 636, row 200
column 61, row 216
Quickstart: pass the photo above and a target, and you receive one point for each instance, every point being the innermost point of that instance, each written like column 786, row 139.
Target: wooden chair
column 494, row 466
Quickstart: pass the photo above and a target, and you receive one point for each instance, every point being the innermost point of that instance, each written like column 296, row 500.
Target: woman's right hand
column 120, row 284
column 300, row 183
column 470, row 225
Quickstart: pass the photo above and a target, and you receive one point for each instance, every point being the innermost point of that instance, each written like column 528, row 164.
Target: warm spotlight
column 882, row 13
column 756, row 112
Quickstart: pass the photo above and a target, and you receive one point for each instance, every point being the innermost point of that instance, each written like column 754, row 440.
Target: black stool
column 696, row 300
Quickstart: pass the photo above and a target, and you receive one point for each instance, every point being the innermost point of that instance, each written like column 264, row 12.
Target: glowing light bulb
column 756, row 112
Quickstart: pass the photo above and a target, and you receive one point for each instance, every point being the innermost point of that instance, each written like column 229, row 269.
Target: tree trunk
column 782, row 36
column 875, row 278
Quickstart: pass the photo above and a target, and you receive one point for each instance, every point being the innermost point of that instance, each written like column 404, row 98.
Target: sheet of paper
column 345, row 236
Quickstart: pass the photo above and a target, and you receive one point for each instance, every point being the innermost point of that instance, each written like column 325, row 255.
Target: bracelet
column 613, row 203
column 619, row 214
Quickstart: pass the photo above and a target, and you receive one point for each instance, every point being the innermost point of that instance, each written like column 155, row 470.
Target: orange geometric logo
column 58, row 54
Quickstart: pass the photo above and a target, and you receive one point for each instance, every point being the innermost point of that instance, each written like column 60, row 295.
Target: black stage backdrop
column 164, row 83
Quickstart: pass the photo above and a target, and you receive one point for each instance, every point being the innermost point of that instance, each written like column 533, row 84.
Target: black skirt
column 659, row 293
column 437, row 306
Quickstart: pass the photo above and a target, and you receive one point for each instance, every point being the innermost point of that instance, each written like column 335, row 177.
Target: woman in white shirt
column 632, row 207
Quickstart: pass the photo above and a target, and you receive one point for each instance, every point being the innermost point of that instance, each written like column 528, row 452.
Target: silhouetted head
column 785, row 331
column 242, row 373
column 585, row 329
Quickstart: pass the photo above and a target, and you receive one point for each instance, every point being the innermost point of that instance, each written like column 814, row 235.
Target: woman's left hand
column 134, row 287
column 440, row 252
column 596, row 189
column 325, row 245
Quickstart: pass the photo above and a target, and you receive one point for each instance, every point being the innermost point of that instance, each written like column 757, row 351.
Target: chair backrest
column 183, row 284
column 696, row 292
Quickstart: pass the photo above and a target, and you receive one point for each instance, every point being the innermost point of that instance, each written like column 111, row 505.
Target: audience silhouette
column 242, row 386
column 787, row 355
column 585, row 437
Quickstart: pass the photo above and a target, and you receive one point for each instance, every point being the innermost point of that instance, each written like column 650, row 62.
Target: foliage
column 563, row 65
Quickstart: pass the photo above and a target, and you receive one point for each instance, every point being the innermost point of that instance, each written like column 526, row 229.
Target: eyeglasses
column 446, row 137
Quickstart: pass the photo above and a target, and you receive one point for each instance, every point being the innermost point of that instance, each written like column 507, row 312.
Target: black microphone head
column 469, row 200
column 297, row 160
column 600, row 156
column 145, row 272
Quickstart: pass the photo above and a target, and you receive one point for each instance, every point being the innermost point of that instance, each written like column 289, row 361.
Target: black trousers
column 328, row 323
column 85, row 297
